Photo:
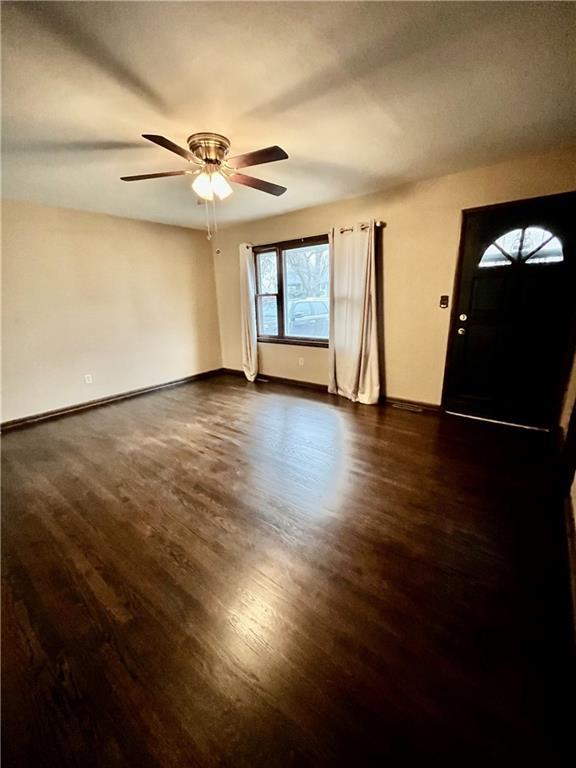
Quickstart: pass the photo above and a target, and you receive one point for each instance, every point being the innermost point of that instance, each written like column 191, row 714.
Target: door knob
column 461, row 331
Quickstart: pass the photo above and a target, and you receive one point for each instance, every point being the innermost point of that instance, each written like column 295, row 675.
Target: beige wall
column 420, row 253
column 282, row 360
column 131, row 302
column 569, row 399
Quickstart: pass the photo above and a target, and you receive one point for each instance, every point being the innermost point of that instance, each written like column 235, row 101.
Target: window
column 292, row 291
column 531, row 245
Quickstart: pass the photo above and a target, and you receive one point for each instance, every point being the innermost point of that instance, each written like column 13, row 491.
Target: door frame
column 571, row 348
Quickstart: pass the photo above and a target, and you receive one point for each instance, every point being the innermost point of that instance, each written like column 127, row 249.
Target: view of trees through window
column 298, row 303
column 306, row 291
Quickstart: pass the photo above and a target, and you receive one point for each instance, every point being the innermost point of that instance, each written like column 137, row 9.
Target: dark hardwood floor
column 234, row 574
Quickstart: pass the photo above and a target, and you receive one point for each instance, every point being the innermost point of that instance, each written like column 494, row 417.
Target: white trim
column 495, row 421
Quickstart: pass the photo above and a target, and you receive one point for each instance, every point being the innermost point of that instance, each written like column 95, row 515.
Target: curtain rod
column 378, row 224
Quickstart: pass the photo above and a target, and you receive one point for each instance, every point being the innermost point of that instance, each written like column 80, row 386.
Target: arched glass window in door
column 530, row 245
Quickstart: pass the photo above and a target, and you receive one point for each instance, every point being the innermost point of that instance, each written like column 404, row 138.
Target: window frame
column 278, row 249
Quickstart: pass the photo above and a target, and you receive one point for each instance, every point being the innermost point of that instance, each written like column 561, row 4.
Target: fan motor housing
column 209, row 147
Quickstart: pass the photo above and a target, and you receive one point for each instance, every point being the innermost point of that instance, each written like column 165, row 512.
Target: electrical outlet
column 301, row 362
column 88, row 378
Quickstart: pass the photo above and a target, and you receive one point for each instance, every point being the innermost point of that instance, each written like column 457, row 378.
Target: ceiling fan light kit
column 210, row 183
column 220, row 186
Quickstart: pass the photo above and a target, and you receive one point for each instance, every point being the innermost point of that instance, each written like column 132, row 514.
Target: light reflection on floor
column 297, row 478
column 302, row 457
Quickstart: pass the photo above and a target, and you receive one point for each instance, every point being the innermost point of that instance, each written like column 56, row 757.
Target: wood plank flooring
column 235, row 574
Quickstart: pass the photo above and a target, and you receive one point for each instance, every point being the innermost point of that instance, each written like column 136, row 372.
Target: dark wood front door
column 512, row 331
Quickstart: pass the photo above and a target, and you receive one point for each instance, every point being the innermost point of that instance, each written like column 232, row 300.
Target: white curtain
column 248, row 312
column 353, row 320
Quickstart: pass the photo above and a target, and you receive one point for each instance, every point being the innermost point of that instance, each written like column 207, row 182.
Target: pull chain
column 214, row 217
column 210, row 215
column 209, row 235
column 211, row 218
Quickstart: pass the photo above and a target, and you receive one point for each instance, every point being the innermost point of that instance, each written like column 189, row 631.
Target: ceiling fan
column 212, row 169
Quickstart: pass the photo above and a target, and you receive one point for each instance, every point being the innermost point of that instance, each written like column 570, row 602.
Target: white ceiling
column 362, row 96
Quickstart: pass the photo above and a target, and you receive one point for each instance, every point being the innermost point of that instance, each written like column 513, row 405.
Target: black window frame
column 278, row 249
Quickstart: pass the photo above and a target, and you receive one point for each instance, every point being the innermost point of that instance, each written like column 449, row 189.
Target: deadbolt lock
column 463, row 317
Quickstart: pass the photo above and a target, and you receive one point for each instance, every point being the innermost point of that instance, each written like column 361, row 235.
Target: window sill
column 294, row 342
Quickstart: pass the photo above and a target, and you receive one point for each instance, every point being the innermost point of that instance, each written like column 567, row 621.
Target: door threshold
column 496, row 421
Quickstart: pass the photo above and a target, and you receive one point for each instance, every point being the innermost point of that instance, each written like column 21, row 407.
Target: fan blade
column 153, row 175
column 162, row 141
column 263, row 186
column 258, row 157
